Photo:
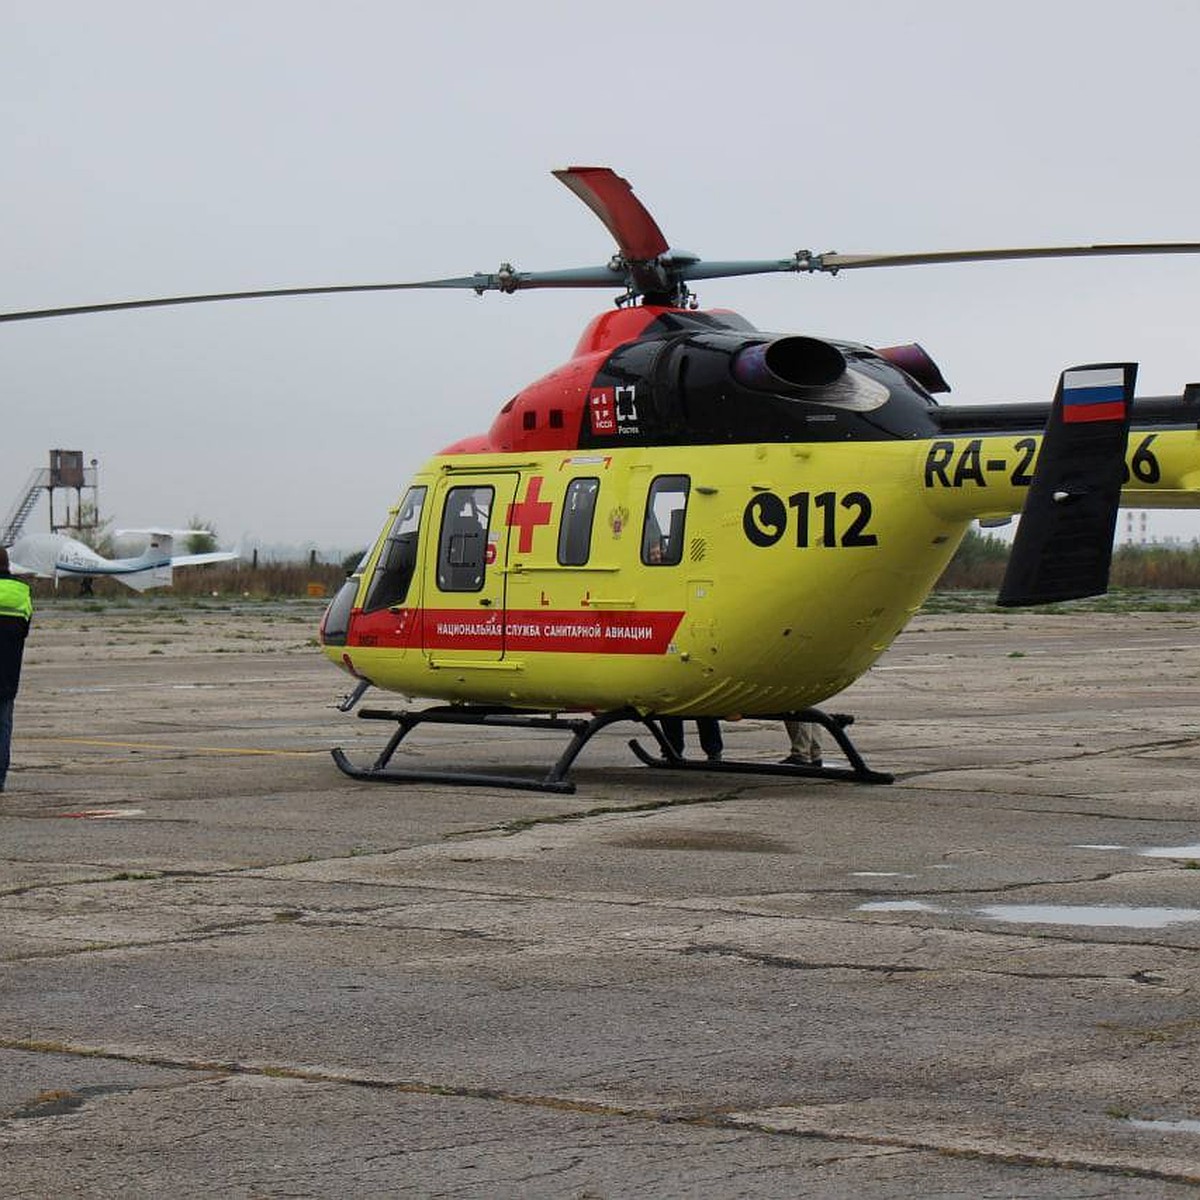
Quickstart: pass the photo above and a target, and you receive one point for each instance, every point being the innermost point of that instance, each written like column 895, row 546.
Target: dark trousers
column 6, row 722
column 709, row 729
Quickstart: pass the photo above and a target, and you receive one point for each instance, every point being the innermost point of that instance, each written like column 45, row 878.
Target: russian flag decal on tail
column 1093, row 394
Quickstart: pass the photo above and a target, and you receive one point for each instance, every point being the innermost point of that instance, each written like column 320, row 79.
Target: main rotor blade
column 504, row 280
column 212, row 297
column 806, row 262
column 849, row 262
column 611, row 198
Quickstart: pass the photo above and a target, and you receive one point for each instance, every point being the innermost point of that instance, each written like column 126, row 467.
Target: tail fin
column 161, row 546
column 1063, row 547
column 156, row 572
column 152, row 568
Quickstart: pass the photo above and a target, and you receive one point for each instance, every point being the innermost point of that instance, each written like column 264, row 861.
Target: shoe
column 798, row 760
column 715, row 757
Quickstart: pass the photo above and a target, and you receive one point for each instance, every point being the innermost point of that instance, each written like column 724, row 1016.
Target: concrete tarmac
column 227, row 970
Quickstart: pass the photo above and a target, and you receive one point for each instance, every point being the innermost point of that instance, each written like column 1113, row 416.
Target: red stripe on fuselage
column 537, row 630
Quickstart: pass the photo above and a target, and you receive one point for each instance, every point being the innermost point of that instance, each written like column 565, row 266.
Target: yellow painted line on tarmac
column 175, row 749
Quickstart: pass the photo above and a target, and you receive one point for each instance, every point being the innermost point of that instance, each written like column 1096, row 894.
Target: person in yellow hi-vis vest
column 16, row 611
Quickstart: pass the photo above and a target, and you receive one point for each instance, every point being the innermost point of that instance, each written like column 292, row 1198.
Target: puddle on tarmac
column 1096, row 915
column 1192, row 851
column 882, row 875
column 1185, row 1126
column 1127, row 917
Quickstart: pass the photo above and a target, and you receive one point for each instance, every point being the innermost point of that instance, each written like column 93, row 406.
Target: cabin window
column 575, row 532
column 462, row 547
column 398, row 558
column 666, row 511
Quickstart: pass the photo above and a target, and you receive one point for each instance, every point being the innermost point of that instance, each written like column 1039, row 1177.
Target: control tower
column 66, row 473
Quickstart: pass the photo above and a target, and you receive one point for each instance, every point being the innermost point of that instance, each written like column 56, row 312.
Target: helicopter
column 695, row 518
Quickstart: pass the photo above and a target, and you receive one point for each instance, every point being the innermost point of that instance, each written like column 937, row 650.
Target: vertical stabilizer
column 1063, row 547
column 162, row 545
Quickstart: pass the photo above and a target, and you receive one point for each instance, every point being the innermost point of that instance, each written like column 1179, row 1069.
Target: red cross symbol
column 529, row 513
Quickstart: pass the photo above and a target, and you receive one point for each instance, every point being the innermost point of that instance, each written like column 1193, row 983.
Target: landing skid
column 833, row 723
column 581, row 731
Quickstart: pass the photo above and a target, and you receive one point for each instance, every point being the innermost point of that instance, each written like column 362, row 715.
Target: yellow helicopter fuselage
column 794, row 568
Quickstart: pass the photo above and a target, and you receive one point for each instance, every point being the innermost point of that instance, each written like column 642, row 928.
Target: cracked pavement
column 225, row 969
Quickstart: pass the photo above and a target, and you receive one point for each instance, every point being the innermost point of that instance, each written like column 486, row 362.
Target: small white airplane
column 56, row 556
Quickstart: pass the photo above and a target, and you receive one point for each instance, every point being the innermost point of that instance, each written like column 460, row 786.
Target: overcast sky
column 158, row 148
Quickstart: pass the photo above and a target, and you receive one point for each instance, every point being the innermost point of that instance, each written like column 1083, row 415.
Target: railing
column 25, row 504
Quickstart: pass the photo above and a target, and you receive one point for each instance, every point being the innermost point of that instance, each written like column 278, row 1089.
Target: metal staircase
column 25, row 504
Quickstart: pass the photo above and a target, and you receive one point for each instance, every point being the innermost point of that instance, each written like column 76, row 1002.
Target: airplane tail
column 162, row 548
column 157, row 558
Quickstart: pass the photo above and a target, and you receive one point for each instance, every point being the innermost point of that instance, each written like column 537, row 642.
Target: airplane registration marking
column 949, row 465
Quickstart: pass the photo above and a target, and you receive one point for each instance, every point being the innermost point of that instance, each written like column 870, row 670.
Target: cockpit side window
column 666, row 514
column 398, row 558
column 578, row 515
column 335, row 624
column 462, row 546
